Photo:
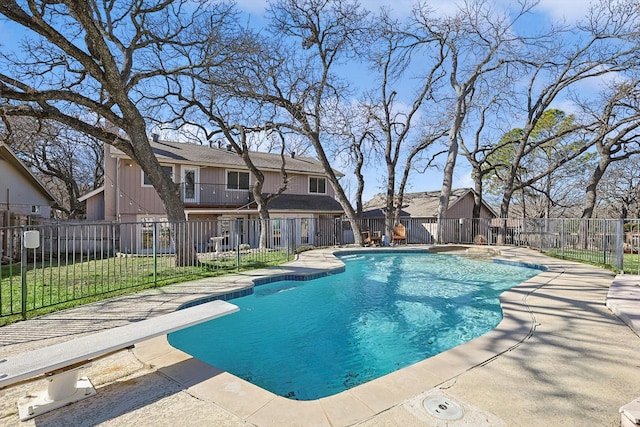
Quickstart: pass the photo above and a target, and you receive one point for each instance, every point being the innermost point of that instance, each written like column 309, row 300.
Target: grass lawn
column 631, row 262
column 52, row 287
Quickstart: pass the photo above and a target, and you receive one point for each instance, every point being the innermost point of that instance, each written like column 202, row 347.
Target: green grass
column 597, row 258
column 55, row 287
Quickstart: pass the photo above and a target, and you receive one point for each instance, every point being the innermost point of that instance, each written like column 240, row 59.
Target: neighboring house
column 21, row 193
column 214, row 184
column 423, row 207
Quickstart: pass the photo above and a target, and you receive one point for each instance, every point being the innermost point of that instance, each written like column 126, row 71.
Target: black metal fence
column 51, row 264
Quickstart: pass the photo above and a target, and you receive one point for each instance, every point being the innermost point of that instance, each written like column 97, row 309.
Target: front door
column 190, row 185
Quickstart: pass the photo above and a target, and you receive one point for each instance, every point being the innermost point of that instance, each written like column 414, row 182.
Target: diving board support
column 60, row 363
column 62, row 389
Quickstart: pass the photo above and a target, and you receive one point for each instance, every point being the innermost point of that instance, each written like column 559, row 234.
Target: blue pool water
column 310, row 339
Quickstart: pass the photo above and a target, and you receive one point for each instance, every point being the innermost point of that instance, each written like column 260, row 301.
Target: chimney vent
column 293, row 154
column 229, row 147
column 155, row 137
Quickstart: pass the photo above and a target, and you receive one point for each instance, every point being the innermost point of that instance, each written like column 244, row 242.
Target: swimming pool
column 310, row 339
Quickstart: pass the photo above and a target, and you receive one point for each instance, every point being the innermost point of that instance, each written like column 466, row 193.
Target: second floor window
column 237, row 180
column 167, row 169
column 317, row 185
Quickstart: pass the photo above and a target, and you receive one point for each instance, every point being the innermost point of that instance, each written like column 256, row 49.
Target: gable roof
column 422, row 204
column 197, row 154
column 92, row 193
column 7, row 154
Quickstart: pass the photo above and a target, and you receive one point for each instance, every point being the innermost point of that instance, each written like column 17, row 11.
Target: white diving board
column 61, row 362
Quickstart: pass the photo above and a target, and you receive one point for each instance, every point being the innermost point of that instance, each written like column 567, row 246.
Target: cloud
column 570, row 10
column 252, row 6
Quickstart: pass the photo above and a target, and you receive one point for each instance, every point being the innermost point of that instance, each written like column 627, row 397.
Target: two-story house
column 214, row 184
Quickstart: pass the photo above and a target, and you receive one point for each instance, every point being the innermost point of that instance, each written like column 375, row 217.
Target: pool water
column 311, row 339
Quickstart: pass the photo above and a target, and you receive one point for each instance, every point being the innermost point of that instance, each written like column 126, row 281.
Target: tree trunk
column 447, row 182
column 592, row 185
column 140, row 150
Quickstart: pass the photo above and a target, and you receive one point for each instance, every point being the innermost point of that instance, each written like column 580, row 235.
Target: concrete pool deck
column 560, row 357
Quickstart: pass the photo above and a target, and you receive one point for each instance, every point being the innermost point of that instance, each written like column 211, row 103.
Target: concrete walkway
column 560, row 358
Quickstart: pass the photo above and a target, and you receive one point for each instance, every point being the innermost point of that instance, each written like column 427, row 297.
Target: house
column 21, row 193
column 214, row 184
column 426, row 204
column 419, row 214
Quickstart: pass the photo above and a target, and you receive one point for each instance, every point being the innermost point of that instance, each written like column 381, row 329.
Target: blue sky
column 570, row 10
column 546, row 10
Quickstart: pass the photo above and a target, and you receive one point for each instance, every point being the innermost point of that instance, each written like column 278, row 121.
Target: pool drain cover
column 443, row 408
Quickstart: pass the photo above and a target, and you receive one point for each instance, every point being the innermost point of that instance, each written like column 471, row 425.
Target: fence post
column 155, row 251
column 23, row 273
column 618, row 248
column 562, row 238
column 238, row 243
column 605, row 231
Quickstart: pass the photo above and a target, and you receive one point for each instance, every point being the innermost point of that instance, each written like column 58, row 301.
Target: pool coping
column 261, row 407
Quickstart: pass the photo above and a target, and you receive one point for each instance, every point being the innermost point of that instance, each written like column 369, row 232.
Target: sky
column 547, row 10
column 569, row 10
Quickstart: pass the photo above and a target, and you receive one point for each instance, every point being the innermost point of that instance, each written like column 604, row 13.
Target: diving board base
column 62, row 390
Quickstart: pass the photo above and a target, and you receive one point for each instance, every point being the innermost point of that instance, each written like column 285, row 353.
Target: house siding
column 18, row 195
column 95, row 208
column 463, row 208
column 126, row 199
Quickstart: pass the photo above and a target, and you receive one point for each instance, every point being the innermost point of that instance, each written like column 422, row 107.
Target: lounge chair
column 399, row 234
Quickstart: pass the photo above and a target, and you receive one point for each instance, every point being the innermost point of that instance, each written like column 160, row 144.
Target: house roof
column 422, row 204
column 305, row 202
column 91, row 194
column 204, row 155
column 7, row 154
column 379, row 213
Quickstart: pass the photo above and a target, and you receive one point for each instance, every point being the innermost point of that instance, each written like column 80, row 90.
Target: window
column 35, row 209
column 167, row 169
column 237, row 180
column 317, row 185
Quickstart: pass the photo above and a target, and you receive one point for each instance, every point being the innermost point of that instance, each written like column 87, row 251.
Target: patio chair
column 376, row 238
column 366, row 238
column 399, row 234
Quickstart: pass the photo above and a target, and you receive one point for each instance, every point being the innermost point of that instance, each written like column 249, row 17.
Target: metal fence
column 63, row 262
column 608, row 242
column 52, row 264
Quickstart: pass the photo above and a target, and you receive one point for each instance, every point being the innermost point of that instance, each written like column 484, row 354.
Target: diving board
column 60, row 362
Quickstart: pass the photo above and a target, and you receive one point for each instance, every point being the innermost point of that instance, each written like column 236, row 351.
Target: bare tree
column 620, row 187
column 353, row 125
column 294, row 73
column 617, row 136
column 400, row 141
column 203, row 98
column 68, row 162
column 601, row 47
column 473, row 44
column 90, row 65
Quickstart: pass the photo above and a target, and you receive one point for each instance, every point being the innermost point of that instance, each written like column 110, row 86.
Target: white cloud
column 252, row 6
column 570, row 10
